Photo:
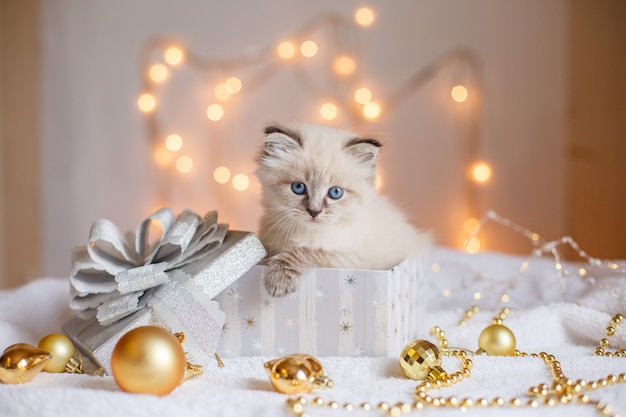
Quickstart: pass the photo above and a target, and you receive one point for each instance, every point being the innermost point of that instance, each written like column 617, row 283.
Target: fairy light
column 371, row 110
column 162, row 156
column 470, row 225
column 221, row 175
column 215, row 112
column 477, row 296
column 364, row 16
column 505, row 298
column 472, row 245
column 446, row 293
column 233, row 85
column 344, row 65
column 146, row 102
column 308, row 49
column 459, row 93
column 435, row 267
column 328, row 111
column 363, row 95
column 481, row 172
column 241, row 182
column 158, row 73
column 221, row 92
column 286, row 50
column 173, row 55
column 173, row 142
column 184, row 164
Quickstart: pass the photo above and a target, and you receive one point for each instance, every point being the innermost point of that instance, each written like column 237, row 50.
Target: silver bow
column 114, row 275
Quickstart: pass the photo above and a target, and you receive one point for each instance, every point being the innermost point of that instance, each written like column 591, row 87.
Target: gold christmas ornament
column 20, row 363
column 148, row 360
column 498, row 340
column 297, row 374
column 60, row 347
column 420, row 359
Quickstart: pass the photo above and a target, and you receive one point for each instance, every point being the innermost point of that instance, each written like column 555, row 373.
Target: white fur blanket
column 541, row 318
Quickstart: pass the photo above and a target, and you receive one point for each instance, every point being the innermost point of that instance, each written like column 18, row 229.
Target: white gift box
column 335, row 312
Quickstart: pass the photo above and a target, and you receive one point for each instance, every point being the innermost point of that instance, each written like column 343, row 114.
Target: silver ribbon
column 115, row 274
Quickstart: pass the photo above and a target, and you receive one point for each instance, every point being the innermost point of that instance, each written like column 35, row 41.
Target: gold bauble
column 497, row 340
column 296, row 374
column 20, row 363
column 418, row 358
column 148, row 360
column 61, row 348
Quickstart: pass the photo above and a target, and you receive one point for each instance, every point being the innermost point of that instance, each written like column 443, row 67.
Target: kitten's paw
column 280, row 279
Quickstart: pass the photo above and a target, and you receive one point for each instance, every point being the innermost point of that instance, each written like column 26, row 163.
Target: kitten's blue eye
column 298, row 188
column 335, row 193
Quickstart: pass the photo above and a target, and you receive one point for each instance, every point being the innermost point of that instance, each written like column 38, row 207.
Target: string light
column 308, row 49
column 363, row 95
column 184, row 164
column 221, row 92
column 472, row 245
column 158, row 73
column 364, row 16
column 459, row 93
column 371, row 110
column 286, row 50
column 241, row 182
column 215, row 112
column 221, row 175
column 470, row 225
column 481, row 172
column 344, row 65
column 233, row 85
column 173, row 55
column 328, row 111
column 162, row 156
column 146, row 102
column 173, row 142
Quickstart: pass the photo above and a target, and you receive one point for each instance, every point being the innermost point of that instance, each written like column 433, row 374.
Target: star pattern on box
column 357, row 351
column 345, row 327
column 350, row 280
column 225, row 327
column 289, row 323
column 250, row 322
column 343, row 308
column 234, row 294
column 257, row 345
column 267, row 303
column 320, row 295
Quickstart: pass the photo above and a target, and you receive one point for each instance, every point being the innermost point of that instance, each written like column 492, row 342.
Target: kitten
column 321, row 208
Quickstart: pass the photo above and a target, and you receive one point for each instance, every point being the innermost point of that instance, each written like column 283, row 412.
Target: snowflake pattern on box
column 335, row 312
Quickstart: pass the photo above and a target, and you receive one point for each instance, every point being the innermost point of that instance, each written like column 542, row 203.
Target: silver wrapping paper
column 184, row 304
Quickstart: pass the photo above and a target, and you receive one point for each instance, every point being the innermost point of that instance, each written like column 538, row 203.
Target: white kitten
column 322, row 209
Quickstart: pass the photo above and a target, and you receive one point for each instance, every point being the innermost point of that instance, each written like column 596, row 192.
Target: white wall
column 97, row 154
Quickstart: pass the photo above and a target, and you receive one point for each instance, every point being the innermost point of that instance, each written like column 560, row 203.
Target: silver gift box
column 185, row 304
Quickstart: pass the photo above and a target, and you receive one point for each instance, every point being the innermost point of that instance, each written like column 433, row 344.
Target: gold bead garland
column 604, row 343
column 562, row 390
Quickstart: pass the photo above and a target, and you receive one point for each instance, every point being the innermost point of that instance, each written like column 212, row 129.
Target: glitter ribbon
column 115, row 274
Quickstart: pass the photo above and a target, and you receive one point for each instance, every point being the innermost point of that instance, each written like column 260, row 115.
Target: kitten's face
column 315, row 175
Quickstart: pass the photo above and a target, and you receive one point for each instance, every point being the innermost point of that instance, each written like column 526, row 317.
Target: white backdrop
column 97, row 157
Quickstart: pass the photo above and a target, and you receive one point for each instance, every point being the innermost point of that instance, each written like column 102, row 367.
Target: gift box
column 334, row 312
column 117, row 287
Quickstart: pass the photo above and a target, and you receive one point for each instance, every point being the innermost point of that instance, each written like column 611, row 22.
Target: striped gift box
column 335, row 312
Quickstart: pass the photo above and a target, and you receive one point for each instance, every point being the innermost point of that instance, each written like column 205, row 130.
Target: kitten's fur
column 361, row 229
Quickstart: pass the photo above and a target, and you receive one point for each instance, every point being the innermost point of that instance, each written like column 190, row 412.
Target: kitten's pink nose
column 313, row 213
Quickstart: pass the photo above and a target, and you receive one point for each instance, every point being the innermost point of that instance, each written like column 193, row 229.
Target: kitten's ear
column 278, row 142
column 364, row 150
